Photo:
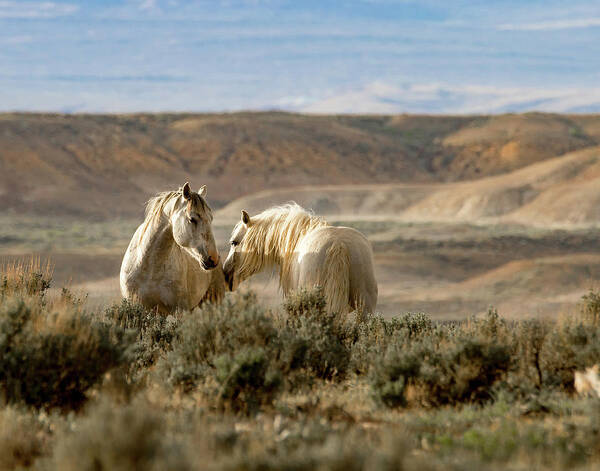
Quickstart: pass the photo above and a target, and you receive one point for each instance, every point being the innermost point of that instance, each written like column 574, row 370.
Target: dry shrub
column 472, row 361
column 252, row 354
column 21, row 439
column 118, row 437
column 312, row 338
column 25, row 278
column 246, row 379
column 444, row 365
column 215, row 330
column 154, row 332
column 139, row 436
column 51, row 354
column 570, row 346
column 555, row 351
column 530, row 338
column 590, row 308
column 370, row 337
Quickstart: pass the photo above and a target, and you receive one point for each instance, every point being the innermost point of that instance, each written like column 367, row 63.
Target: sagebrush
column 239, row 386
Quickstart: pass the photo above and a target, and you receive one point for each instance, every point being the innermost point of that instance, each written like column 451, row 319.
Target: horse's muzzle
column 209, row 264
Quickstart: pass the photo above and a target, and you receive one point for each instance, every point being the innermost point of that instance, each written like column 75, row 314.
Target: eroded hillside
column 107, row 166
column 562, row 191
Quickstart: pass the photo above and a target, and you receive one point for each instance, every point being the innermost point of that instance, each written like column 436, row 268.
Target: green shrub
column 445, row 364
column 569, row 347
column 312, row 338
column 415, row 325
column 213, row 331
column 590, row 308
column 462, row 371
column 393, row 373
column 228, row 342
column 51, row 357
column 246, row 379
column 154, row 332
column 371, row 337
column 530, row 336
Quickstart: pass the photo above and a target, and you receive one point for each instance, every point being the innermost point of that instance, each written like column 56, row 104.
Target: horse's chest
column 183, row 287
column 174, row 284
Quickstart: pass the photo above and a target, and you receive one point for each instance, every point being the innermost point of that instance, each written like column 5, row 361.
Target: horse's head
column 191, row 223
column 232, row 264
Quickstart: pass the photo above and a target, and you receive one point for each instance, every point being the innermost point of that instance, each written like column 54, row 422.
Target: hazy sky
column 315, row 56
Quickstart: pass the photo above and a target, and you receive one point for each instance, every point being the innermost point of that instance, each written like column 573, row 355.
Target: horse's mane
column 272, row 237
column 155, row 206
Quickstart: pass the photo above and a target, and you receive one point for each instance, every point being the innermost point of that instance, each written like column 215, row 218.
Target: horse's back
column 340, row 259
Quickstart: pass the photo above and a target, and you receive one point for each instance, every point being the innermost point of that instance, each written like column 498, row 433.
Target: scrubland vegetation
column 237, row 386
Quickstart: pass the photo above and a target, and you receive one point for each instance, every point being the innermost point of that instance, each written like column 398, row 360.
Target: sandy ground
column 449, row 271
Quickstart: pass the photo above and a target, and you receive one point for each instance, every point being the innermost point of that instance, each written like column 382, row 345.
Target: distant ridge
column 562, row 192
column 106, row 166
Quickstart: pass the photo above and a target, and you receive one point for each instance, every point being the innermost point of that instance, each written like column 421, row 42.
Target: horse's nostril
column 208, row 264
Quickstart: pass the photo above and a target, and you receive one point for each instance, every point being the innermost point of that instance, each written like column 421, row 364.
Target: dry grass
column 22, row 438
column 21, row 277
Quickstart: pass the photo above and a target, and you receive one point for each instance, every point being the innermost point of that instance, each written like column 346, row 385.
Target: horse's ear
column 245, row 218
column 202, row 191
column 187, row 191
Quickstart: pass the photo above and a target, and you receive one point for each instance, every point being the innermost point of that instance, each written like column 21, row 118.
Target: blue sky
column 351, row 56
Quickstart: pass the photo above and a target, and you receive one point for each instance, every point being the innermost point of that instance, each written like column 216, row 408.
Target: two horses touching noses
column 172, row 261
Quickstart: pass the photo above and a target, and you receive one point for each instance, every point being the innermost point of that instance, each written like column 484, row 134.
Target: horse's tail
column 336, row 278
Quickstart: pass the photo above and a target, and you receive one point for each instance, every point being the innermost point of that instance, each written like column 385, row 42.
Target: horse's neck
column 157, row 244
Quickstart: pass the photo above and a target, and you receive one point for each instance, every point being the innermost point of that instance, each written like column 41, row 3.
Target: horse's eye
column 193, row 221
column 234, row 243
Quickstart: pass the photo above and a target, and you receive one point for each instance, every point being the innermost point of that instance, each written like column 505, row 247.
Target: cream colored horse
column 172, row 260
column 308, row 252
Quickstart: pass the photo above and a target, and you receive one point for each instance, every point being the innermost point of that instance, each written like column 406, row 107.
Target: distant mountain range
column 381, row 97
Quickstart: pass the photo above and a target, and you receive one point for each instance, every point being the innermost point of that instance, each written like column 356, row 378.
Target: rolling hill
column 562, row 191
column 106, row 166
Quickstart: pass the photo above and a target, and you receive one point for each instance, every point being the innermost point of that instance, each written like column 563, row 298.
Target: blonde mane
column 272, row 237
column 156, row 205
column 154, row 208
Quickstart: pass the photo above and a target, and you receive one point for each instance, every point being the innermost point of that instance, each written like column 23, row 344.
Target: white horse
column 172, row 260
column 308, row 252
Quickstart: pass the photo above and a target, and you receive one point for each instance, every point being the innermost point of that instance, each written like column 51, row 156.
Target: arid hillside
column 107, row 166
column 563, row 191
